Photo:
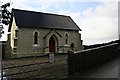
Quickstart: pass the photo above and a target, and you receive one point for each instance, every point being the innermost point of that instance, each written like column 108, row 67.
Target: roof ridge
column 40, row 12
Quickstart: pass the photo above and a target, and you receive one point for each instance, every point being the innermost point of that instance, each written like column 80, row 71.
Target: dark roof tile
column 25, row 18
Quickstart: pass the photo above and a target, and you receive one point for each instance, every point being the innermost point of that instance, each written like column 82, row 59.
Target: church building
column 37, row 33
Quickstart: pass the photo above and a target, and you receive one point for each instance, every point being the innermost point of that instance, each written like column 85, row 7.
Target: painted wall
column 25, row 39
column 12, row 36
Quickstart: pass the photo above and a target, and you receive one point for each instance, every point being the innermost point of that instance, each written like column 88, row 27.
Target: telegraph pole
column 1, row 30
column 1, row 26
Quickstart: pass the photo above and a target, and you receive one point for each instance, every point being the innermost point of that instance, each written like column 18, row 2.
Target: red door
column 52, row 45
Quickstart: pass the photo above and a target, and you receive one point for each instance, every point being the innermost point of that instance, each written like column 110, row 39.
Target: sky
column 98, row 19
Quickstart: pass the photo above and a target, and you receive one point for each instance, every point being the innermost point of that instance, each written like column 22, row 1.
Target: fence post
column 51, row 57
column 71, row 62
column 1, row 65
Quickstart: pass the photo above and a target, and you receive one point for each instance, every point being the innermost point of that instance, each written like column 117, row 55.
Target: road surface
column 108, row 70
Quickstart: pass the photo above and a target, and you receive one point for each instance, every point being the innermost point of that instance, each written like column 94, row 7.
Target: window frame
column 16, row 33
column 66, row 38
column 37, row 38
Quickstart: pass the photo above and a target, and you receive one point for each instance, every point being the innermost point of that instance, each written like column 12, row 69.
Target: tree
column 6, row 15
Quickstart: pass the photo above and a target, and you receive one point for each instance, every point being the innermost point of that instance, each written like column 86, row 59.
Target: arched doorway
column 53, row 43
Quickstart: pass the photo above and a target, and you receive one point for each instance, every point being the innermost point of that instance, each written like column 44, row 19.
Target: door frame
column 56, row 42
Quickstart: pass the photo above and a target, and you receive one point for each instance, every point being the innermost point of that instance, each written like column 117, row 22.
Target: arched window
column 36, row 37
column 66, row 38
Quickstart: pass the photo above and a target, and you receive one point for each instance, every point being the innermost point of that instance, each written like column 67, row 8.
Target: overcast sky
column 98, row 19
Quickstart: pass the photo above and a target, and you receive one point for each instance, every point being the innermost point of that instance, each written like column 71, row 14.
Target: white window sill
column 15, row 47
column 36, row 46
column 15, row 38
column 66, row 45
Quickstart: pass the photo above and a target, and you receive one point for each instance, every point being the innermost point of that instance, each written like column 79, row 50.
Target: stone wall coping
column 95, row 48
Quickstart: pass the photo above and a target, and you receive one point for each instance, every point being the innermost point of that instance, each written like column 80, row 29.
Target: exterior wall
column 25, row 46
column 74, row 37
column 13, row 35
column 25, row 42
column 13, row 28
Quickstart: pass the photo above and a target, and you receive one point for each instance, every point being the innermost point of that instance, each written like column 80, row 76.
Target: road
column 107, row 70
column 35, row 67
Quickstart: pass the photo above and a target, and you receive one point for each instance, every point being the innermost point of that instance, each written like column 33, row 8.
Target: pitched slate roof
column 30, row 19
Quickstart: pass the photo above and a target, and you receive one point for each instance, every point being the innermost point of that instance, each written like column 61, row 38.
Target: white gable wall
column 12, row 37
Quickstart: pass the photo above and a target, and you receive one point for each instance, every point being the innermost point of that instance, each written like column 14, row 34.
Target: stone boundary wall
column 86, row 59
